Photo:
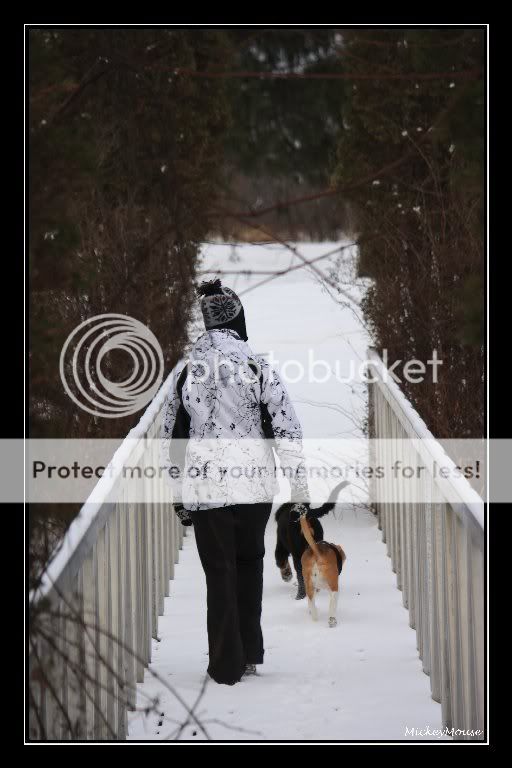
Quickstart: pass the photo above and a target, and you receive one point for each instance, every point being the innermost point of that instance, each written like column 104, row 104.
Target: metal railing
column 434, row 532
column 96, row 611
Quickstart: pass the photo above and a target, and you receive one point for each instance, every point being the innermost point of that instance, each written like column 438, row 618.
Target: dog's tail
column 306, row 530
column 329, row 504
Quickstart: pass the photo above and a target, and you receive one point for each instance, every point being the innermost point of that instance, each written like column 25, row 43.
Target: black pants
column 230, row 542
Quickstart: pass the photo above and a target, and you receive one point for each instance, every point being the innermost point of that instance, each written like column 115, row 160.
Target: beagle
column 321, row 566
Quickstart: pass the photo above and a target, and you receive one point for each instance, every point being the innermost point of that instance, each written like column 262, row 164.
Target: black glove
column 297, row 511
column 183, row 514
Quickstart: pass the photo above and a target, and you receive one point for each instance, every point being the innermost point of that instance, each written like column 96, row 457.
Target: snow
column 362, row 680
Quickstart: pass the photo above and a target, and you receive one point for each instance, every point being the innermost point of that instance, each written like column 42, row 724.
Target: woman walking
column 225, row 412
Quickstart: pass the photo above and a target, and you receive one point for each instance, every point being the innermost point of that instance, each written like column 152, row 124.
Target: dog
column 291, row 541
column 321, row 566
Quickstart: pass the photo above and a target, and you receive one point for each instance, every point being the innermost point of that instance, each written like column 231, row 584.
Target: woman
column 225, row 412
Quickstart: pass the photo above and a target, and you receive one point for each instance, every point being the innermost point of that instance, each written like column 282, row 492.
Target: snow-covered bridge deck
column 360, row 680
column 363, row 679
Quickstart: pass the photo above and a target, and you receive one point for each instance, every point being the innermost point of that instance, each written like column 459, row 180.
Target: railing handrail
column 80, row 536
column 428, row 445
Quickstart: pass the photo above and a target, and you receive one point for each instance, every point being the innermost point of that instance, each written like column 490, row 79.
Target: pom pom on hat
column 210, row 288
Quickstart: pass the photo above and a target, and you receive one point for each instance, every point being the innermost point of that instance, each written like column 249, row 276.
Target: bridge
column 118, row 647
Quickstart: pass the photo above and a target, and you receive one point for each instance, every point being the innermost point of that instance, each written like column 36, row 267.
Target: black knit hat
column 221, row 308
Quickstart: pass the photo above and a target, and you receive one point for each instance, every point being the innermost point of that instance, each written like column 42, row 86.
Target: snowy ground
column 360, row 681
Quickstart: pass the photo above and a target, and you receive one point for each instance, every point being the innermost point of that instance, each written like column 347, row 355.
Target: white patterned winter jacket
column 224, row 412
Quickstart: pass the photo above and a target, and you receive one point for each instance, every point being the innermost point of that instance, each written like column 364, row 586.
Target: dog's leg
column 310, row 591
column 333, row 604
column 301, row 589
column 286, row 572
column 282, row 555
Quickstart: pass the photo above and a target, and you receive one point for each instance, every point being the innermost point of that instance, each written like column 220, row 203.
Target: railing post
column 410, row 497
column 104, row 726
column 151, row 512
column 427, row 576
column 36, row 714
column 402, row 514
column 163, row 582
column 178, row 539
column 91, row 662
column 465, row 689
column 436, row 617
column 381, row 484
column 120, row 628
column 372, row 432
column 167, row 565
column 396, row 509
column 388, row 527
column 446, row 691
column 113, row 649
column 477, row 622
column 392, row 504
column 133, row 586
column 376, row 485
column 74, row 645
column 171, row 536
column 144, row 523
